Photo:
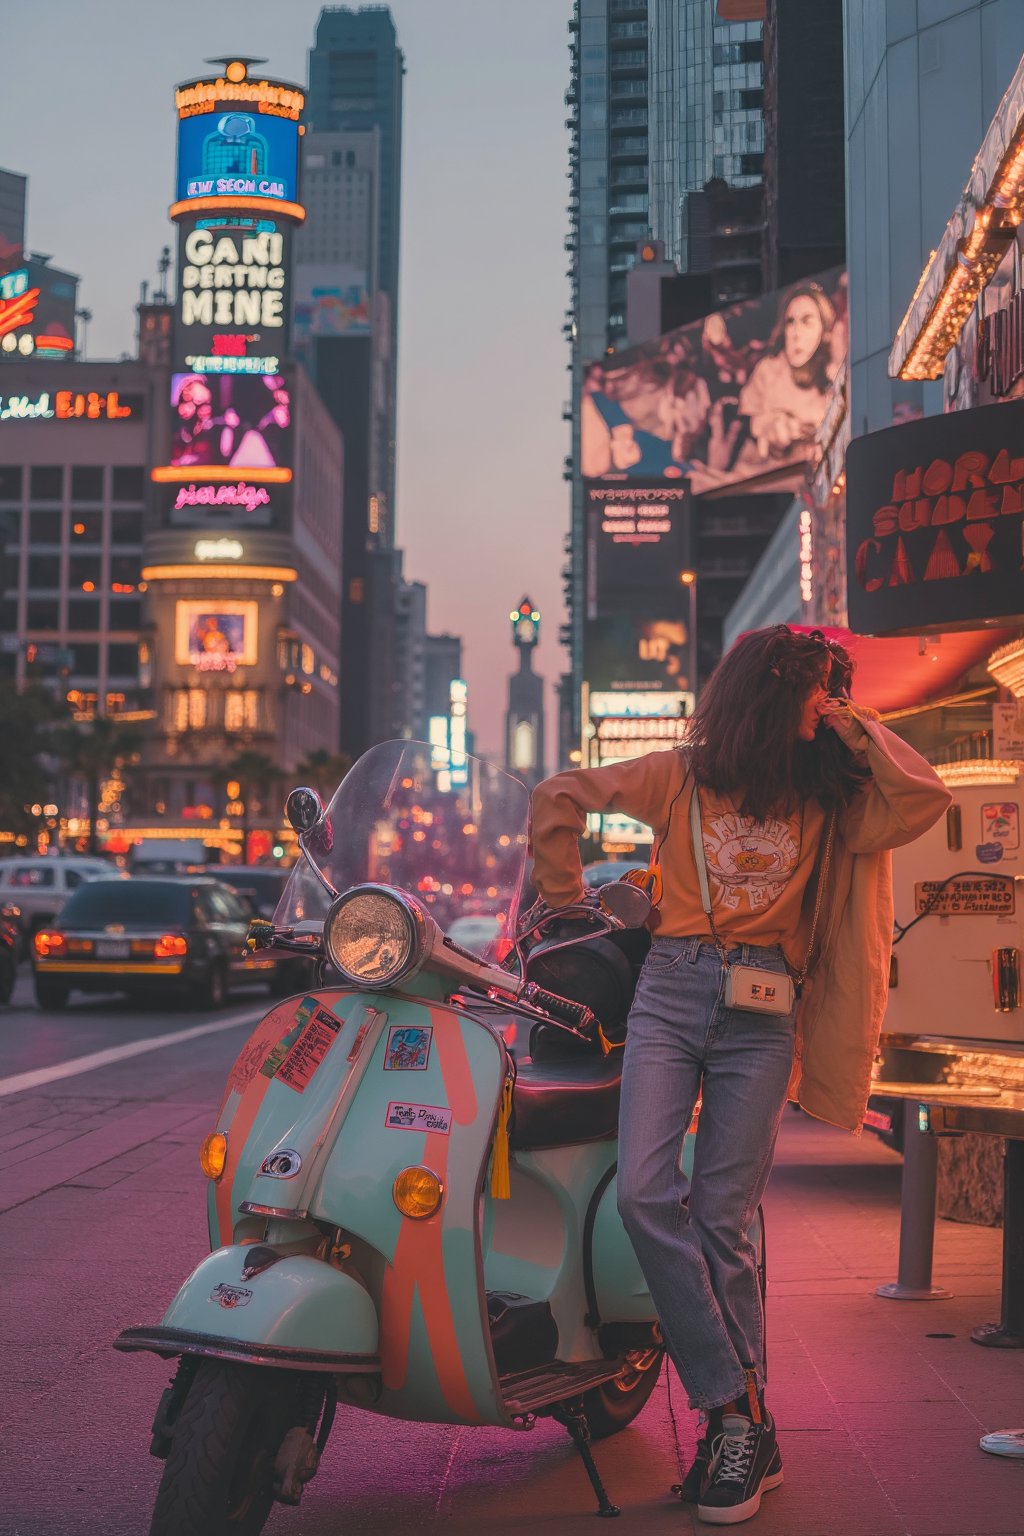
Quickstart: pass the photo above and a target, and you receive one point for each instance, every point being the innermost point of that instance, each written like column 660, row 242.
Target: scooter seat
column 565, row 1103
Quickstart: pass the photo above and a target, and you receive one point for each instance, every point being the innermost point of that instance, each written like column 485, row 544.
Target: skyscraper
column 346, row 311
column 355, row 82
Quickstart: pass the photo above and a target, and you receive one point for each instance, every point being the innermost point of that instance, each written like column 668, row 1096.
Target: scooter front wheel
column 219, row 1476
column 616, row 1403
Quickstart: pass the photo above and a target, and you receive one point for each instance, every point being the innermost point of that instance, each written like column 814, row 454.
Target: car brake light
column 48, row 943
column 169, row 944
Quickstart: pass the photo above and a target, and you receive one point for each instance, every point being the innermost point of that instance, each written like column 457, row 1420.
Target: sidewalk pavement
column 880, row 1403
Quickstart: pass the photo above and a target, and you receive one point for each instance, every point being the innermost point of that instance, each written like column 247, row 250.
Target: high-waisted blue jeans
column 690, row 1236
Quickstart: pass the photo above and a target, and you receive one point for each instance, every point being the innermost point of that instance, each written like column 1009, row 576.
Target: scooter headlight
column 374, row 936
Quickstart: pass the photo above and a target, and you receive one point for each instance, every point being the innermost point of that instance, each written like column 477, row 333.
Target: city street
column 879, row 1404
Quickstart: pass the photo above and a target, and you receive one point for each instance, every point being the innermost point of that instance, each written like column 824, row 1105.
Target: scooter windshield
column 447, row 827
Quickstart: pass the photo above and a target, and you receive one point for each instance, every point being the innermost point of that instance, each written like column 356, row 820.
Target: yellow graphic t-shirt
column 758, row 874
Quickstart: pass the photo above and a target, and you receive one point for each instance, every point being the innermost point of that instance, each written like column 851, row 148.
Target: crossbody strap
column 697, row 841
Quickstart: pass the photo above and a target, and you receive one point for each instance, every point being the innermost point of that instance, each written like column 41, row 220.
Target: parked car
column 595, row 875
column 11, row 950
column 262, row 883
column 149, row 938
column 39, row 885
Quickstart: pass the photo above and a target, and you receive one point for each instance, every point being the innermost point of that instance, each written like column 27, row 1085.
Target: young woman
column 798, row 795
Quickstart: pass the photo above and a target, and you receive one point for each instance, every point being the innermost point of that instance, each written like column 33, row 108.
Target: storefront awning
column 899, row 673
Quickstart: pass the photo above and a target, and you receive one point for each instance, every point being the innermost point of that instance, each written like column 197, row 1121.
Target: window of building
column 125, row 612
column 124, row 574
column 86, row 483
column 123, row 660
column 84, row 571
column 128, row 482
column 241, row 709
column 43, row 572
column 46, row 482
column 84, row 613
column 86, row 528
column 10, row 482
column 42, row 613
column 85, row 660
column 44, row 527
column 126, row 527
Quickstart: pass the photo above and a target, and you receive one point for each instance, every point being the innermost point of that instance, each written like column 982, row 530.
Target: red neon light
column 230, row 346
column 54, row 344
column 19, row 311
column 92, row 406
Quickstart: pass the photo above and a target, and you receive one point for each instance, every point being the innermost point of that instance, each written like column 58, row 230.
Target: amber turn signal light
column 417, row 1192
column 213, row 1154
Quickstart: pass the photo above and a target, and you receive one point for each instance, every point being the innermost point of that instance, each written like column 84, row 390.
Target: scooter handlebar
column 577, row 1015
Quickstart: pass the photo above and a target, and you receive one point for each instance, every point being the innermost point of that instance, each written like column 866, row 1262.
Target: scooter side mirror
column 304, row 810
column 628, row 904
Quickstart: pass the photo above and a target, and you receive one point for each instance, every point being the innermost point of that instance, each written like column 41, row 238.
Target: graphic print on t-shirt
column 749, row 862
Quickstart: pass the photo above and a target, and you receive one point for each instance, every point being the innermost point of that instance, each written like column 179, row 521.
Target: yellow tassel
column 607, row 1046
column 501, row 1182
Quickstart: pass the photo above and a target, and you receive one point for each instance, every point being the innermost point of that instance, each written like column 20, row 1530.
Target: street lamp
column 689, row 581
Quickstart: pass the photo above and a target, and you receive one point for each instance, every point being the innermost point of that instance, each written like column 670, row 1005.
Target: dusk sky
column 482, row 507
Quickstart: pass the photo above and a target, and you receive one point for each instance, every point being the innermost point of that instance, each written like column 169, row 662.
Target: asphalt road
column 102, row 1215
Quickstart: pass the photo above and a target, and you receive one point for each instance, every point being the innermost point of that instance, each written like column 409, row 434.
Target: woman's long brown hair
column 742, row 739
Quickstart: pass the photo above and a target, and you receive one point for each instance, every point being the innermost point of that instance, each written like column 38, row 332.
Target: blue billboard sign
column 238, row 153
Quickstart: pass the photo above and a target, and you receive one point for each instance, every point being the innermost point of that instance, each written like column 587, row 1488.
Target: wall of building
column 923, row 79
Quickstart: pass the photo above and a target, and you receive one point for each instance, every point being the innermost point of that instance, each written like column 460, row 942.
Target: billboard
column 637, row 538
column 37, row 312
column 734, row 399
column 227, row 420
column 238, row 143
column 630, row 650
column 215, row 635
column 329, row 301
column 238, row 153
column 935, row 522
column 233, row 298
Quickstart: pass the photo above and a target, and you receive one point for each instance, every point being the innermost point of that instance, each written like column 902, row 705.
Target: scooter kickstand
column 573, row 1417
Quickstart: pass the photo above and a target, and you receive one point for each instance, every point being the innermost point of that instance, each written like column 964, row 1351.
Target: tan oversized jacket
column 840, row 1013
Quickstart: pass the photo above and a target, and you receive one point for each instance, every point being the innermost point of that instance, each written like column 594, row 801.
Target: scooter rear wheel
column 219, row 1476
column 616, row 1403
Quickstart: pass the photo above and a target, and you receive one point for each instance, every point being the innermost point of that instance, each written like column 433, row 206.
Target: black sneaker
column 745, row 1463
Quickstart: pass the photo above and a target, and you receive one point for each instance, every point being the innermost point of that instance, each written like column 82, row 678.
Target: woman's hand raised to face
column 838, row 716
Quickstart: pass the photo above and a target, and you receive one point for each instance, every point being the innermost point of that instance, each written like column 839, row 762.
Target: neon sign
column 218, row 549
column 238, row 495
column 218, row 364
column 206, row 95
column 229, row 282
column 66, row 405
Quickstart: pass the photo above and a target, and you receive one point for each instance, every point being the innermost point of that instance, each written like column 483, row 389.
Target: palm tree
column 26, row 748
column 323, row 771
column 92, row 750
column 257, row 775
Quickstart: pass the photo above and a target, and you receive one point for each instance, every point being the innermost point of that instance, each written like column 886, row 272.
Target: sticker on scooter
column 309, row 1050
column 1000, row 823
column 231, row 1296
column 419, row 1117
column 408, row 1048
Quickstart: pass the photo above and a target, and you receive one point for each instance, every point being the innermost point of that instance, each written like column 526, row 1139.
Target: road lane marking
column 78, row 1064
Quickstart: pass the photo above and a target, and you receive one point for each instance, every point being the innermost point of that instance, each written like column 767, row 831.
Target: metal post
column 917, row 1215
column 1008, row 1333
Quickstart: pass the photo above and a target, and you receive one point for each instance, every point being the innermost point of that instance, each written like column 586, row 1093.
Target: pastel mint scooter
column 411, row 1194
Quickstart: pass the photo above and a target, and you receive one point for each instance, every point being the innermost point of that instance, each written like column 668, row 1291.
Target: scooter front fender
column 298, row 1312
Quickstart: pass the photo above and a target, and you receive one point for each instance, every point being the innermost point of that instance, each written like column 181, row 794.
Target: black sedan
column 149, row 937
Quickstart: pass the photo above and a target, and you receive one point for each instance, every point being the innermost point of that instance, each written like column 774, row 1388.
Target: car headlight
column 374, row 936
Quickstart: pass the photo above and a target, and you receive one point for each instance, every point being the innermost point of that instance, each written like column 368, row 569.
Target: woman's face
column 810, row 715
column 803, row 330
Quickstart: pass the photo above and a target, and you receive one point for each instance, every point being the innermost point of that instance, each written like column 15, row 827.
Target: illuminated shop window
column 241, row 709
column 188, row 709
